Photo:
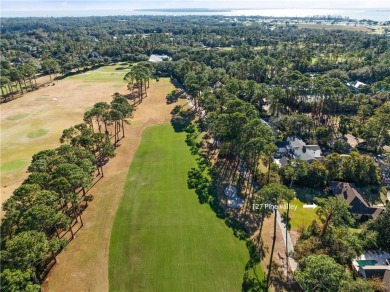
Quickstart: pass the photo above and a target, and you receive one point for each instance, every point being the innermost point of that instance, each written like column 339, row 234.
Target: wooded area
column 319, row 85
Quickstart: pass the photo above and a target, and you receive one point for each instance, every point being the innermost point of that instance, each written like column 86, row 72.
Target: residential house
column 374, row 264
column 295, row 147
column 282, row 147
column 300, row 150
column 354, row 197
column 380, row 272
column 355, row 85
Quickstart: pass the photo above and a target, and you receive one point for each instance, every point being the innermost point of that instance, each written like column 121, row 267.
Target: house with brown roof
column 354, row 197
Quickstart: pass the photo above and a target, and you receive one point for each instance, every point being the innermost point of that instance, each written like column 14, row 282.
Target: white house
column 298, row 149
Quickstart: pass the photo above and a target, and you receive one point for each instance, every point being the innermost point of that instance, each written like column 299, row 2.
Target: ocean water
column 378, row 14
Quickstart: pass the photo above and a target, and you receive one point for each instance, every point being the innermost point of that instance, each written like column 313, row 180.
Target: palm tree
column 148, row 69
column 129, row 78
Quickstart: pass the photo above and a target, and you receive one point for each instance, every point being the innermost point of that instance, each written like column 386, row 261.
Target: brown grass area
column 52, row 109
column 334, row 27
column 83, row 266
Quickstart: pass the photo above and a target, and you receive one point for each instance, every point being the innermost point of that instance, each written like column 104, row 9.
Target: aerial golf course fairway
column 163, row 239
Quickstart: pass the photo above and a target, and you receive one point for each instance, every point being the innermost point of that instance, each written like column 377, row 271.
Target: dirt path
column 83, row 266
column 267, row 236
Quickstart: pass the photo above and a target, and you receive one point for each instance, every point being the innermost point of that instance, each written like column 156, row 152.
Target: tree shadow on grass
column 206, row 187
column 306, row 195
column 251, row 281
column 204, row 179
column 182, row 119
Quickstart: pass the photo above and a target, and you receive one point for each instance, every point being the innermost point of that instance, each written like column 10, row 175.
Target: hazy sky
column 50, row 5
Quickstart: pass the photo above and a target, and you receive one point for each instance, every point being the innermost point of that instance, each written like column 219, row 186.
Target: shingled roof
column 354, row 197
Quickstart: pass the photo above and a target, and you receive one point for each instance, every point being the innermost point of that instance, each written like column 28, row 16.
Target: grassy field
column 300, row 216
column 90, row 251
column 114, row 73
column 36, row 120
column 163, row 239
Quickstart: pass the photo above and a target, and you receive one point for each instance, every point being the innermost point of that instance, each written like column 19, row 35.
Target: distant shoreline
column 374, row 14
column 186, row 10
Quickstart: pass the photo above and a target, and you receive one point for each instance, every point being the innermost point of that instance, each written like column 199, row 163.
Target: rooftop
column 302, row 151
column 354, row 197
column 158, row 58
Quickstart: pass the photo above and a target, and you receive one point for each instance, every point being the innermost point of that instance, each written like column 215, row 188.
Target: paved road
column 290, row 247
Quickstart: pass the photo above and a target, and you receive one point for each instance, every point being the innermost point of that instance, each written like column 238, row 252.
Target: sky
column 299, row 8
column 74, row 5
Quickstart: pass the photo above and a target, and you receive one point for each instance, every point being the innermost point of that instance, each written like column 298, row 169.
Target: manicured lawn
column 303, row 216
column 114, row 73
column 163, row 239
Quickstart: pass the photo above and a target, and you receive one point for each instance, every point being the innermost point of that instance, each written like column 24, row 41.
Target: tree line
column 42, row 214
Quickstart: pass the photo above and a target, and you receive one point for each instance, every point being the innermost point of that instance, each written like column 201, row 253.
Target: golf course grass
column 14, row 165
column 37, row 133
column 163, row 239
column 18, row 116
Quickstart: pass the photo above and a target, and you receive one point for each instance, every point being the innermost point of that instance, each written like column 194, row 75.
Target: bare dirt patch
column 352, row 140
column 83, row 266
column 279, row 252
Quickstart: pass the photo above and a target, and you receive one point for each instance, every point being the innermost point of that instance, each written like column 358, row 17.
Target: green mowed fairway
column 163, row 239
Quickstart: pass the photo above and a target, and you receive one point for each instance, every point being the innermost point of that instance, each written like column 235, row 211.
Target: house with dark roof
column 354, row 197
column 281, row 160
column 282, row 147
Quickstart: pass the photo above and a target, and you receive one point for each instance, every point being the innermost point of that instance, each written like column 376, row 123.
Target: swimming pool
column 363, row 263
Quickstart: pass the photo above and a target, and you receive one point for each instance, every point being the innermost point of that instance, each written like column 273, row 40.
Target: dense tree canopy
column 320, row 273
column 235, row 71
